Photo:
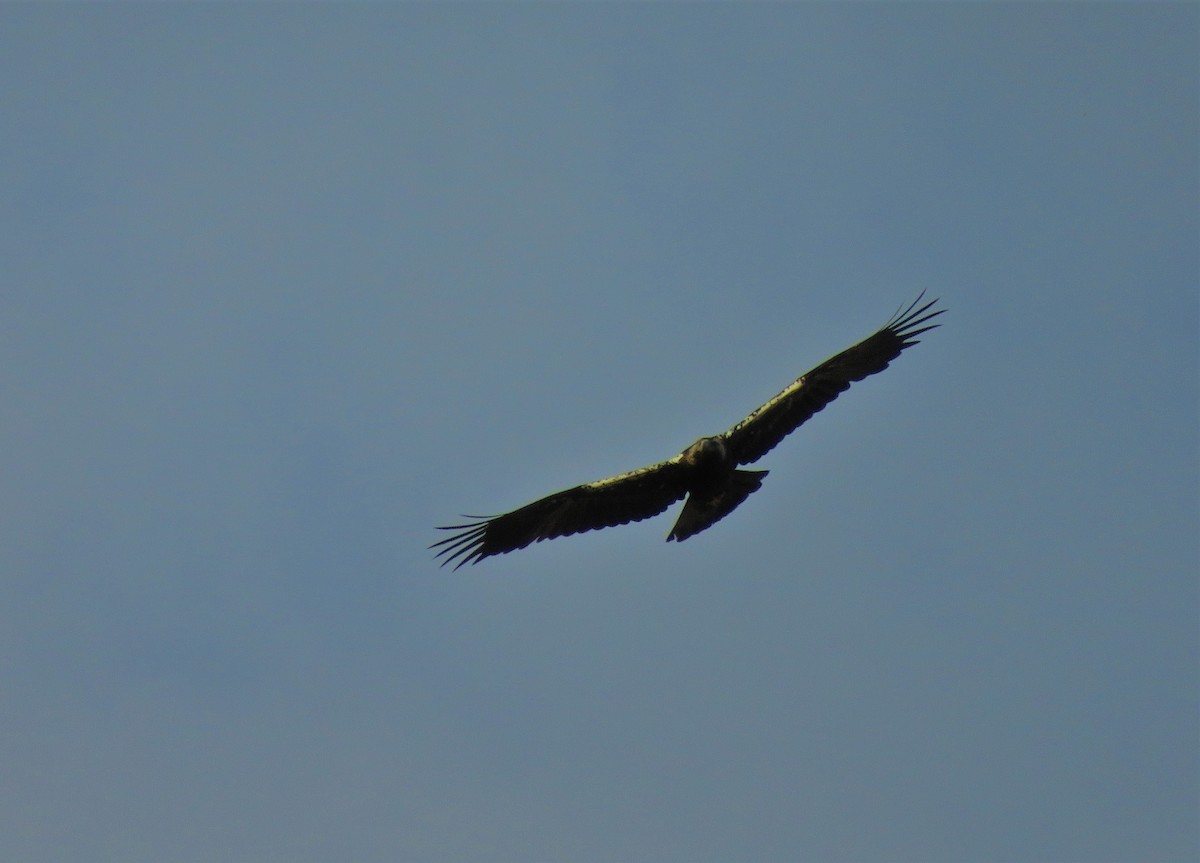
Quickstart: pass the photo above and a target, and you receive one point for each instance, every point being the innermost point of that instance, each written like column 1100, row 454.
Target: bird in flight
column 706, row 473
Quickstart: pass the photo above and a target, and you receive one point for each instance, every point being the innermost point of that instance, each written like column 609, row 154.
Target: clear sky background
column 284, row 287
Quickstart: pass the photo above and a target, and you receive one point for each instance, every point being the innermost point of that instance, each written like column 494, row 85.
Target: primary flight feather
column 706, row 472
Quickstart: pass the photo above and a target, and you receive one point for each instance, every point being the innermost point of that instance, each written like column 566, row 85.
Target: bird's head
column 706, row 451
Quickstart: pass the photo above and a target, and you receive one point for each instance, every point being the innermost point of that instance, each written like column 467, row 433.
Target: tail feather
column 704, row 509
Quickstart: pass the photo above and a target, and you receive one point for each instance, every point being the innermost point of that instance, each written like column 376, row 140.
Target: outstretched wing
column 608, row 502
column 758, row 433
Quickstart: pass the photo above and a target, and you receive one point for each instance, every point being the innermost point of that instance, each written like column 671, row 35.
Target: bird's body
column 715, row 486
column 706, row 473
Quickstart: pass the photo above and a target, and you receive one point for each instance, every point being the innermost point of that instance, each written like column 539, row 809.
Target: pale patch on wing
column 641, row 471
column 757, row 412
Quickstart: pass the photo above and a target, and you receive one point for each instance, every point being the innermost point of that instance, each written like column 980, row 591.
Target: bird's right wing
column 754, row 436
column 608, row 502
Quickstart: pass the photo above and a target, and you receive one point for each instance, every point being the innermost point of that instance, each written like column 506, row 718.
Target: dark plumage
column 706, row 472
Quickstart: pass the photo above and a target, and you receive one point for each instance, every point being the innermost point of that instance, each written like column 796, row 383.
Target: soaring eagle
column 706, row 472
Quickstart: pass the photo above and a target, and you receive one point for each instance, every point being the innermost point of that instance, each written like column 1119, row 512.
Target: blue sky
column 287, row 286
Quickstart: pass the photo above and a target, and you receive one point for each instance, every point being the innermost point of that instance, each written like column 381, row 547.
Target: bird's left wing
column 758, row 433
column 608, row 502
